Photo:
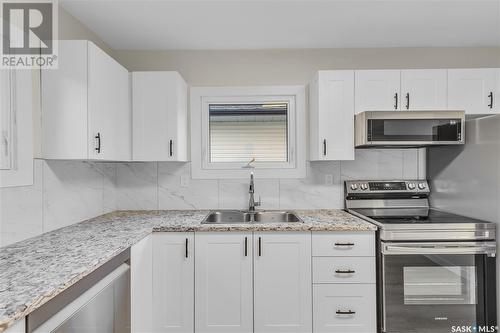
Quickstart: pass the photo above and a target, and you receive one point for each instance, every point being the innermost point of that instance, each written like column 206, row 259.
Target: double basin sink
column 237, row 216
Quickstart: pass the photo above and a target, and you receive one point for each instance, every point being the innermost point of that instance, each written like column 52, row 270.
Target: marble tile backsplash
column 65, row 192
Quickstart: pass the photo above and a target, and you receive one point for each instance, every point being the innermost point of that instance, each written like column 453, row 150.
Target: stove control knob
column 364, row 187
column 422, row 186
column 411, row 186
column 354, row 186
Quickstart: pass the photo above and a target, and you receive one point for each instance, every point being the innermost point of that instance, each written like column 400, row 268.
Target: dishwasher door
column 103, row 308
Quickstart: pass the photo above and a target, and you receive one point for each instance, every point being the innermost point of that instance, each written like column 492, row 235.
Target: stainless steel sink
column 236, row 216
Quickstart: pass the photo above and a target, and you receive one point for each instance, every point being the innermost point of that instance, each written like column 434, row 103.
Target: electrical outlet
column 185, row 181
column 329, row 179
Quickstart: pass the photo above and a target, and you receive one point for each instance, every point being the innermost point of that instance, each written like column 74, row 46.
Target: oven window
column 440, row 285
column 414, row 130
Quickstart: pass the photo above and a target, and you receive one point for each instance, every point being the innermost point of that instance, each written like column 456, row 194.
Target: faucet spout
column 251, row 190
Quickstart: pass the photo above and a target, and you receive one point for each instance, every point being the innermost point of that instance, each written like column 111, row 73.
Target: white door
column 377, row 90
column 223, row 282
column 108, row 107
column 477, row 91
column 173, row 282
column 141, row 292
column 333, row 128
column 282, row 282
column 424, row 89
column 159, row 116
column 6, row 136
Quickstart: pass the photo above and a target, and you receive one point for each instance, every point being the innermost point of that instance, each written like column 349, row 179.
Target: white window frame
column 202, row 97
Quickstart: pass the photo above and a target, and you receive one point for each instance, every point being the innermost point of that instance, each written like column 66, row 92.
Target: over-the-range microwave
column 409, row 128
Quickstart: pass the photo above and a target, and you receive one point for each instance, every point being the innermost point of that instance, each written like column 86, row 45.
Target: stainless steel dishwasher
column 99, row 303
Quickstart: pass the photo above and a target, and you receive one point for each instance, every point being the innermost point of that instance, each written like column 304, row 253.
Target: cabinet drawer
column 344, row 308
column 343, row 244
column 344, row 270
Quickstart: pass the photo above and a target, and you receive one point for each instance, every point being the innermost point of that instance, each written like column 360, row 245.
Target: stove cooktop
column 435, row 216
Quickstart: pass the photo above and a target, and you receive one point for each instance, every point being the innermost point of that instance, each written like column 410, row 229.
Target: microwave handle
column 488, row 248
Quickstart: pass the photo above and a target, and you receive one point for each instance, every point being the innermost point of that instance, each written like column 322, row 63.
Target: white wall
column 158, row 185
column 63, row 193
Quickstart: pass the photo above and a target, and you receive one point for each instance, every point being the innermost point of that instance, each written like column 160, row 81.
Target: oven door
column 432, row 287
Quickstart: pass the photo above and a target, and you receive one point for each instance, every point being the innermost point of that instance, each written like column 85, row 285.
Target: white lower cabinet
column 344, row 308
column 173, row 282
column 223, row 282
column 282, row 282
column 262, row 282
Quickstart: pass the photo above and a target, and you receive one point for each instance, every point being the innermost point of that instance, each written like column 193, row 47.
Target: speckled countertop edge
column 36, row 270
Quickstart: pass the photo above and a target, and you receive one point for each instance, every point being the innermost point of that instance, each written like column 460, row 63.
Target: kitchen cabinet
column 223, row 282
column 18, row 100
column 159, row 117
column 344, row 282
column 413, row 89
column 173, row 282
column 141, row 291
column 377, row 90
column 86, row 110
column 477, row 91
column 423, row 89
column 331, row 116
column 282, row 282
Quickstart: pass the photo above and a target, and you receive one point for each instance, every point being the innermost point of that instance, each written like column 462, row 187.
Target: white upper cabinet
column 477, row 91
column 86, row 110
column 173, row 282
column 223, row 282
column 331, row 112
column 159, row 117
column 412, row 89
column 377, row 90
column 282, row 282
column 423, row 89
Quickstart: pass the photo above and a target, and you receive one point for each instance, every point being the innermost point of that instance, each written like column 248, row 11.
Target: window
column 242, row 132
column 232, row 126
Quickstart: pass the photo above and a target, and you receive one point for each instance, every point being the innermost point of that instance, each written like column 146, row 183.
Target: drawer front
column 344, row 270
column 343, row 244
column 344, row 308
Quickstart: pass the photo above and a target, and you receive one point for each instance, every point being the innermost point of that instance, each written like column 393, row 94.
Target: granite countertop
column 35, row 270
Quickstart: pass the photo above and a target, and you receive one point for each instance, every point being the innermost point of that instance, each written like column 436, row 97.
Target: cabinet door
column 223, row 282
column 64, row 104
column 282, row 282
column 109, row 107
column 173, row 282
column 477, row 91
column 377, row 90
column 159, row 116
column 424, row 89
column 332, row 116
column 141, row 292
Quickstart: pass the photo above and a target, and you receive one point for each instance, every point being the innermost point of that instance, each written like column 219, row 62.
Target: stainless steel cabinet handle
column 344, row 271
column 187, row 248
column 98, row 138
column 260, row 247
column 344, row 244
column 171, row 148
column 395, row 101
column 490, row 96
column 347, row 312
column 246, row 246
column 324, row 147
column 407, row 101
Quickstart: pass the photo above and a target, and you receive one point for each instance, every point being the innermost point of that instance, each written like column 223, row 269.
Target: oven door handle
column 488, row 248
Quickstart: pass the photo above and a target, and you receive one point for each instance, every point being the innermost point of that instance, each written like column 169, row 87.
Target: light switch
column 185, row 181
column 329, row 179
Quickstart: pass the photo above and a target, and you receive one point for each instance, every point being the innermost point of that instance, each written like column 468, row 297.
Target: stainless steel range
column 436, row 270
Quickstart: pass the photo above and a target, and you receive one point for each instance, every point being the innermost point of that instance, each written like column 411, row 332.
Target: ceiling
column 277, row 24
